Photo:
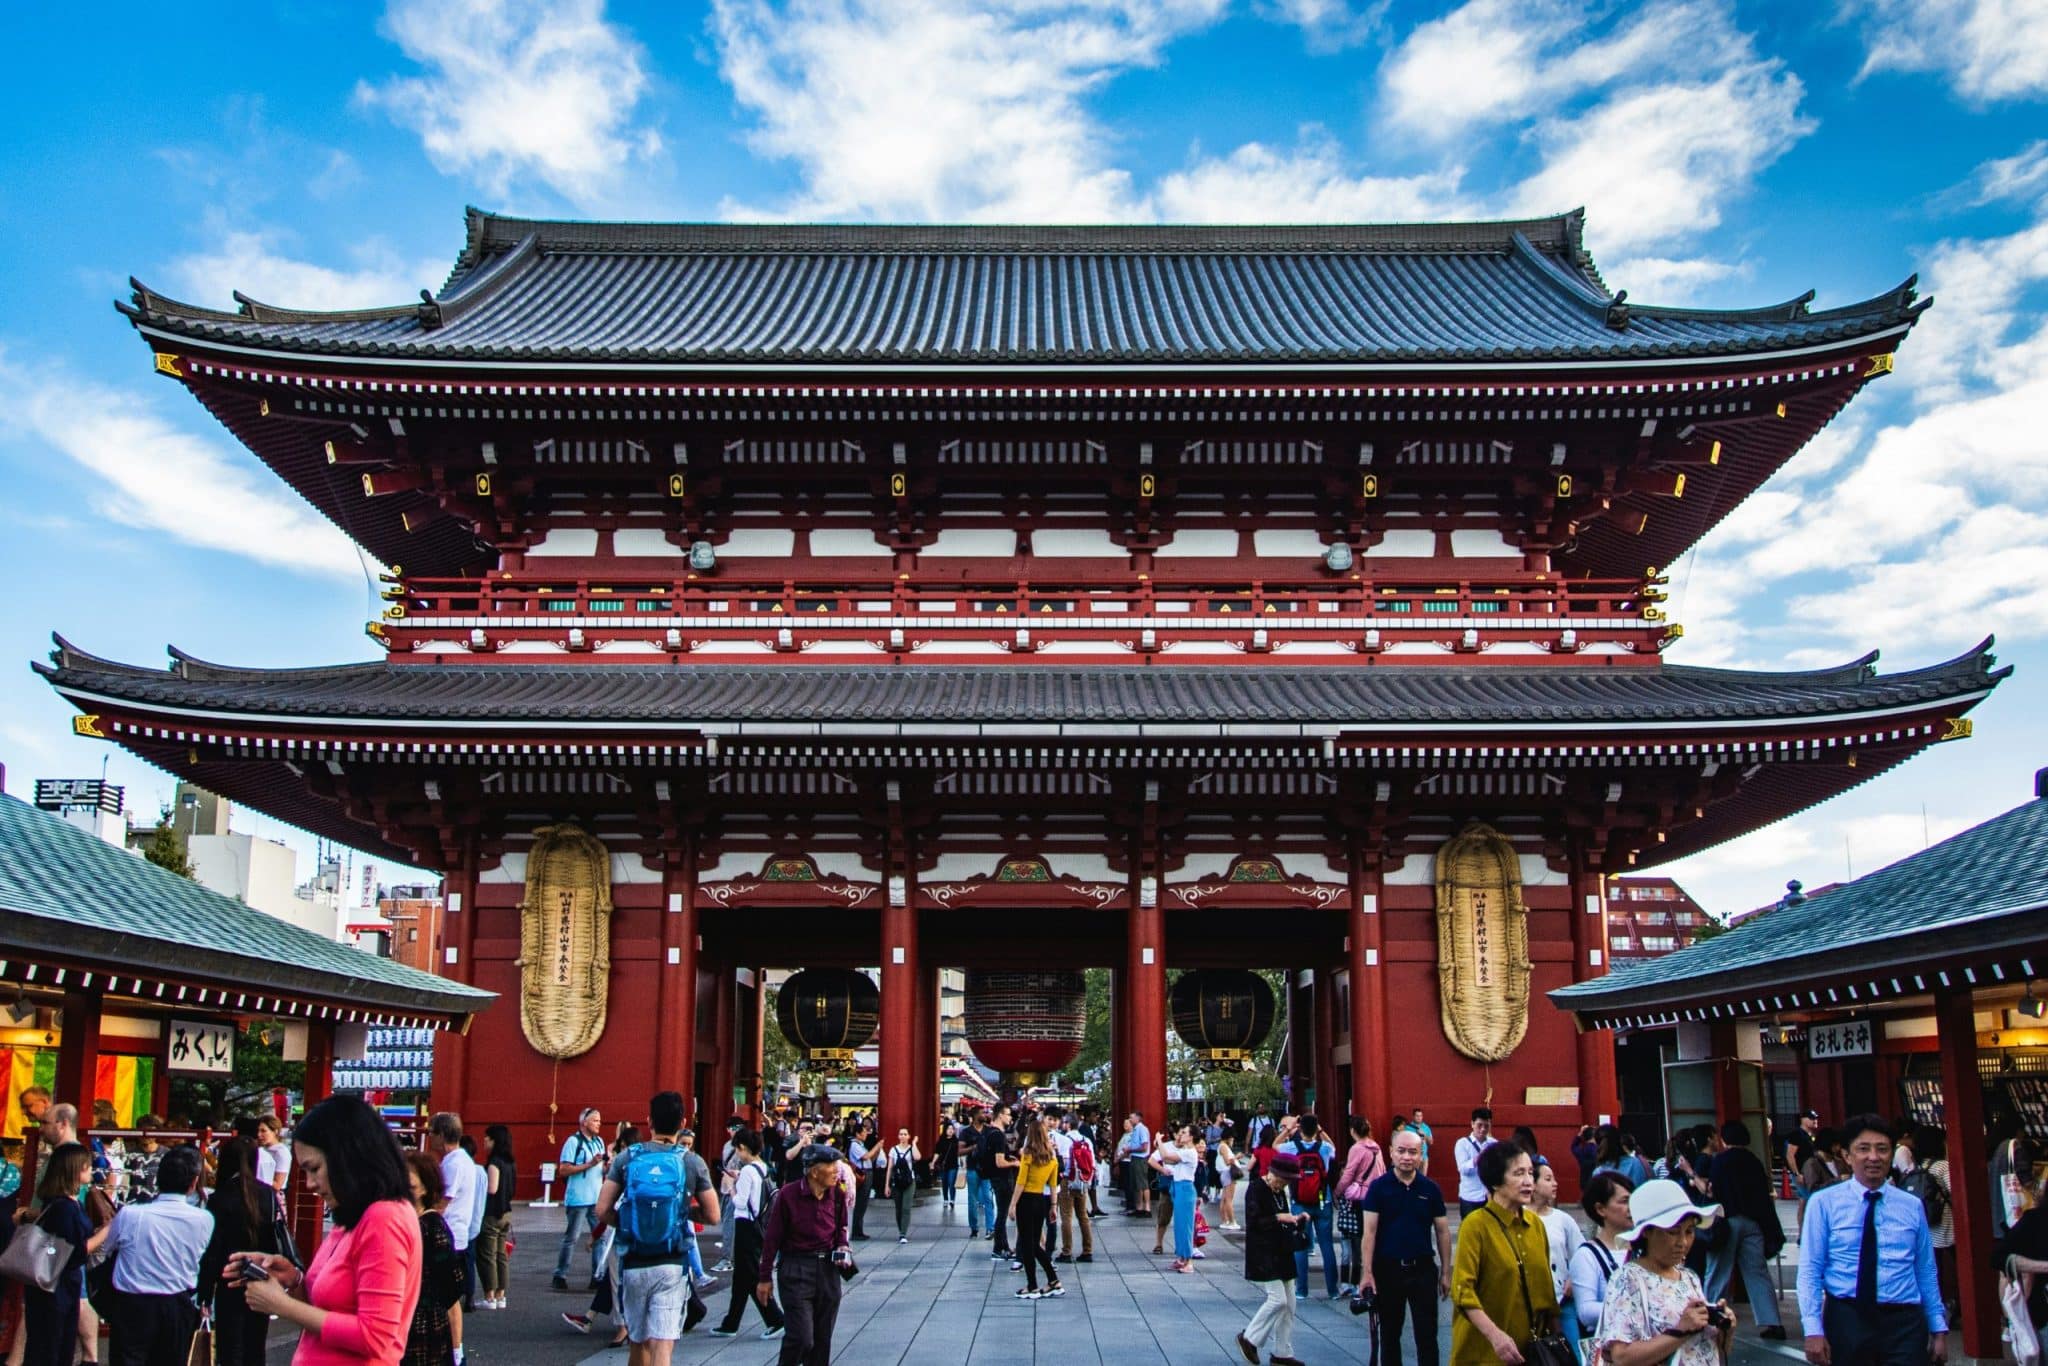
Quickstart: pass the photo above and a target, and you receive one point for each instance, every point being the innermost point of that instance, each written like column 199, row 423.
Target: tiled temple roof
column 533, row 292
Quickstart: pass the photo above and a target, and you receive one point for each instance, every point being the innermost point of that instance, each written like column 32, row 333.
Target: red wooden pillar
column 896, row 1090
column 751, row 1051
column 715, row 1105
column 675, row 1028
column 450, row 1090
column 927, row 1099
column 306, row 1210
column 1962, row 1112
column 1145, row 964
column 78, row 1054
column 1329, row 1099
column 1599, row 1089
column 1371, row 1082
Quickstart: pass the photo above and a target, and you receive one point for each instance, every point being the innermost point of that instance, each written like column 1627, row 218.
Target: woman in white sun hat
column 1655, row 1310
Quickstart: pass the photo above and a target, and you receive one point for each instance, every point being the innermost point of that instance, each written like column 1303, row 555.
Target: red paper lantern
column 1026, row 1024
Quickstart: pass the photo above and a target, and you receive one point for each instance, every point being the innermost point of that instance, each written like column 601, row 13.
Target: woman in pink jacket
column 354, row 1304
column 1362, row 1166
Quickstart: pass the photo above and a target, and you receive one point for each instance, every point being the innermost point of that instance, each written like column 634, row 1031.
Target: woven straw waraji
column 565, row 941
column 1482, row 944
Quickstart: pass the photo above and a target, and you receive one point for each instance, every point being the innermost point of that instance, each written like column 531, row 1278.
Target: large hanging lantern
column 1026, row 1024
column 1223, row 1014
column 828, row 1013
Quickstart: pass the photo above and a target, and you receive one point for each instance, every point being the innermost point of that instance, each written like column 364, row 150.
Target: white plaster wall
column 972, row 542
column 1412, row 543
column 758, row 541
column 1276, row 542
column 570, row 542
column 847, row 541
column 647, row 543
column 1191, row 544
column 1482, row 543
column 1075, row 543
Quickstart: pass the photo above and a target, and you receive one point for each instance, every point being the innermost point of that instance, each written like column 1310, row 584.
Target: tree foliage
column 165, row 847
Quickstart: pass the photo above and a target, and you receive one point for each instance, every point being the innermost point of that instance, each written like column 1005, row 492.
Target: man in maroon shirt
column 805, row 1235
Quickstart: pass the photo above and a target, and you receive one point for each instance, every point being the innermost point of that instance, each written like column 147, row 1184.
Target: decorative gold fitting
column 87, row 724
column 1880, row 365
column 483, row 485
column 676, row 486
column 899, row 486
column 1564, row 486
column 1369, row 486
column 1959, row 728
column 167, row 364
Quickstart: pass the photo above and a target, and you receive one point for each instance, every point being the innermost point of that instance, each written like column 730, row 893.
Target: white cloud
column 1309, row 184
column 1817, row 847
column 1654, row 164
column 254, row 263
column 2016, row 178
column 1667, row 280
column 1987, row 49
column 1496, row 61
column 1328, row 25
column 546, row 90
column 150, row 474
column 897, row 109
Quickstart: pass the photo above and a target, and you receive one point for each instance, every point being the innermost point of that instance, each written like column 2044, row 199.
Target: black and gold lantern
column 1223, row 1014
column 828, row 1013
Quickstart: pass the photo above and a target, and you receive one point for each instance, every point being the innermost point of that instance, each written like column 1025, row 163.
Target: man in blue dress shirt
column 1866, row 1265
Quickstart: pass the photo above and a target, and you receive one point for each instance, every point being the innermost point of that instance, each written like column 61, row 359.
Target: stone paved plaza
column 940, row 1300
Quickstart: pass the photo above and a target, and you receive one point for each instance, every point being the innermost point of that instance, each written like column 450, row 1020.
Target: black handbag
column 1546, row 1346
column 281, row 1224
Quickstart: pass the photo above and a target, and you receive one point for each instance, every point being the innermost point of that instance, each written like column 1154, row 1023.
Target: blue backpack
column 651, row 1201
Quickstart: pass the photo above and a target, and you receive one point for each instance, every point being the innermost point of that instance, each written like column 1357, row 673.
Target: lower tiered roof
column 1735, row 749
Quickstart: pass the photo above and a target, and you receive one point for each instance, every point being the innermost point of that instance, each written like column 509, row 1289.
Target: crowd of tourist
column 162, row 1237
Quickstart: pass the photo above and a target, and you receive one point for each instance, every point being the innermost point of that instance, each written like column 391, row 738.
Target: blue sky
column 1728, row 154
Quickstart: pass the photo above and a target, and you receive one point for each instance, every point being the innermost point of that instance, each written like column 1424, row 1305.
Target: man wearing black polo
column 1405, row 1248
column 806, row 1234
column 998, row 1167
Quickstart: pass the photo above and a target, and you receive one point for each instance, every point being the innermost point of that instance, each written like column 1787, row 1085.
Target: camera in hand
column 255, row 1271
column 1717, row 1317
column 842, row 1260
column 1365, row 1301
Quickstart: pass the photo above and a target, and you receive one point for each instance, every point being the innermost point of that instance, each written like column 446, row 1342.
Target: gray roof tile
column 527, row 291
column 1367, row 697
column 64, row 890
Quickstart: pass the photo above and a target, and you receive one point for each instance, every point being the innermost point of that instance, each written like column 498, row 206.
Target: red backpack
column 1308, row 1188
column 1084, row 1161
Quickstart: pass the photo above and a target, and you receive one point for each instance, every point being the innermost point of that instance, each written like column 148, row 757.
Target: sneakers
column 704, row 1282
column 1055, row 1290
column 770, row 1334
column 902, row 1242
column 1063, row 1257
column 694, row 1313
column 580, row 1322
column 1772, row 1334
column 999, row 1256
column 561, row 1283
column 1025, row 1292
column 722, row 1267
column 1085, row 1257
column 1245, row 1348
column 725, row 1332
column 1016, row 1266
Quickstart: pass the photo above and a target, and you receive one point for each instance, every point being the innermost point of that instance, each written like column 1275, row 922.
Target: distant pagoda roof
column 535, row 294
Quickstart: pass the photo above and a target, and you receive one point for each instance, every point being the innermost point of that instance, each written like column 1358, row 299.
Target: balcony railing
column 911, row 612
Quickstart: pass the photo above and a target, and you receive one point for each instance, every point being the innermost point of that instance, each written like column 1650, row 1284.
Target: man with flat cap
column 804, row 1236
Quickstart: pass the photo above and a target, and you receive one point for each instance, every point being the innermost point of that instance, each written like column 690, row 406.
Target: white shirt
column 1565, row 1236
column 746, row 1192
column 160, row 1245
column 272, row 1161
column 1063, row 1148
column 1471, row 1190
column 1181, row 1161
column 458, row 1176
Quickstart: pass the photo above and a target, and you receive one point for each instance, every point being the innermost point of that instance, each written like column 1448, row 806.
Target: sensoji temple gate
column 1024, row 598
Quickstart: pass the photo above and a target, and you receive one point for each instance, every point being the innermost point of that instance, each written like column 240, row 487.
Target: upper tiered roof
column 536, row 293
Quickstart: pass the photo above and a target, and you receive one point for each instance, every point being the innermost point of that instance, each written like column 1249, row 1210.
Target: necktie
column 1866, row 1256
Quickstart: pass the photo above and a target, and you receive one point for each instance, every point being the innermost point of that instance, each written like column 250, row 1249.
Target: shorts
column 651, row 1301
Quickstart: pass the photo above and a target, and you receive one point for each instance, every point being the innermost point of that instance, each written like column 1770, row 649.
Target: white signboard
column 1848, row 1039
column 201, row 1048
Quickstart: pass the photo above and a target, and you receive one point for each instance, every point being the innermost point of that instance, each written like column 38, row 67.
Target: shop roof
column 67, row 894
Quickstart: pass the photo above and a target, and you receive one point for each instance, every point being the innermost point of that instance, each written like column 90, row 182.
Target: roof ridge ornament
column 1617, row 312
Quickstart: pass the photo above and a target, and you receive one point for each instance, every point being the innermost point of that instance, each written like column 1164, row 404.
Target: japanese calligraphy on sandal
column 1482, row 944
column 565, row 950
